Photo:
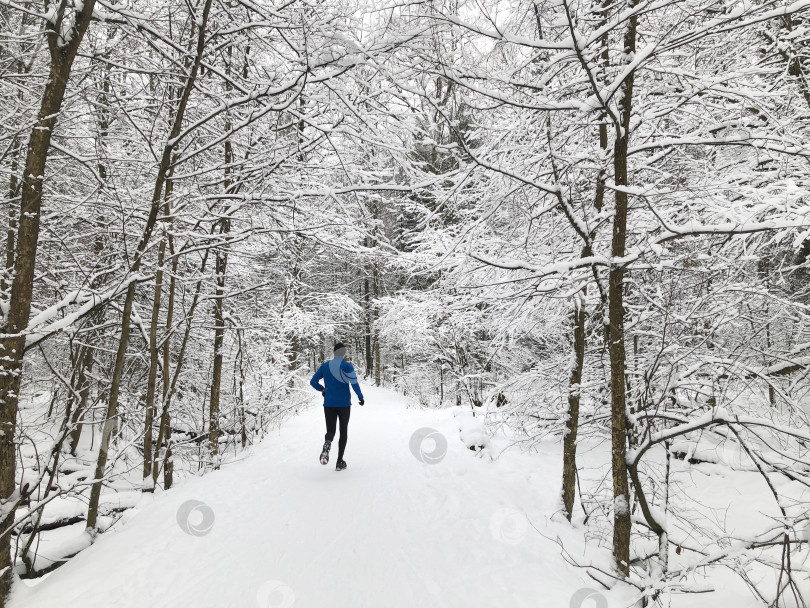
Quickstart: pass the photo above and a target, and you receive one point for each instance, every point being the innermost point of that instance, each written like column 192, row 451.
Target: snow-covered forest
column 579, row 228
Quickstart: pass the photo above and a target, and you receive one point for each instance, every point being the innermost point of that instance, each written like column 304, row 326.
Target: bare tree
column 64, row 33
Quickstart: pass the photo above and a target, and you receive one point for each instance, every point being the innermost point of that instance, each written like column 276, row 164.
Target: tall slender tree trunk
column 221, row 267
column 621, row 494
column 239, row 385
column 165, row 420
column 86, row 358
column 13, row 211
column 219, row 338
column 22, row 68
column 164, row 424
column 291, row 296
column 377, row 363
column 154, row 358
column 291, row 300
column 62, row 56
column 572, row 424
column 154, row 351
column 579, row 314
column 81, row 387
column 367, row 322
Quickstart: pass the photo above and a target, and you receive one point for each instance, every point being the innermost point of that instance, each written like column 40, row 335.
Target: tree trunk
column 62, row 56
column 621, row 495
column 164, row 425
column 154, row 354
column 13, row 211
column 572, row 424
column 367, row 318
column 239, row 388
column 377, row 363
column 82, row 388
column 221, row 267
column 86, row 357
column 14, row 152
column 219, row 335
column 151, row 383
column 291, row 299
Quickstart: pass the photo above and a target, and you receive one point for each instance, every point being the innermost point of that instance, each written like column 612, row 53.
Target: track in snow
column 389, row 532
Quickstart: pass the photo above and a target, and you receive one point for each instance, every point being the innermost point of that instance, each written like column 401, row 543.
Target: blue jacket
column 337, row 375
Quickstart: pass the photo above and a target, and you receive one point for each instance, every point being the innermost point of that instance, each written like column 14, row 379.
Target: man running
column 337, row 375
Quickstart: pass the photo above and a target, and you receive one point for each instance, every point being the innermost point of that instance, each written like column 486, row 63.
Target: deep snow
column 395, row 530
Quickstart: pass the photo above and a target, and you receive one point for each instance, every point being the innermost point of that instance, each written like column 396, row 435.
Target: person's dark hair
column 339, row 345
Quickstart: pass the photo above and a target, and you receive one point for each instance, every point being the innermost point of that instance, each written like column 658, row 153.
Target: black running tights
column 333, row 414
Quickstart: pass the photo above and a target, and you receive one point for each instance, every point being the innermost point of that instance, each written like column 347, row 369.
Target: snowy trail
column 390, row 531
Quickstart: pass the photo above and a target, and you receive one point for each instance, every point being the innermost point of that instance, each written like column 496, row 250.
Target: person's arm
column 314, row 382
column 355, row 384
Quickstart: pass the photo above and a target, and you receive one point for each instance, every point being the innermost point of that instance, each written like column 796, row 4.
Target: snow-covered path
column 390, row 531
